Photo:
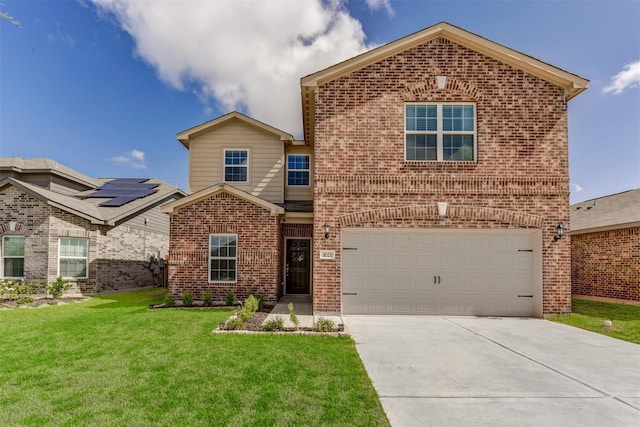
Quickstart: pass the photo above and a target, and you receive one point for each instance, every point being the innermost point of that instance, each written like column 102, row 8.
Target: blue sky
column 104, row 86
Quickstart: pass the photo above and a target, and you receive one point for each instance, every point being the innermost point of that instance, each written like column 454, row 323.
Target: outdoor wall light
column 559, row 232
column 326, row 229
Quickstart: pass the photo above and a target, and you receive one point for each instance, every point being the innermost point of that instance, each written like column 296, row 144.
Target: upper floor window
column 74, row 256
column 440, row 132
column 298, row 169
column 223, row 256
column 236, row 165
column 13, row 256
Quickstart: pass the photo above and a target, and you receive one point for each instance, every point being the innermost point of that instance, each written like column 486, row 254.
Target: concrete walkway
column 466, row 371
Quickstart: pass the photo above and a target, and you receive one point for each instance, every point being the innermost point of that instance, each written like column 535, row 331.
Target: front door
column 298, row 266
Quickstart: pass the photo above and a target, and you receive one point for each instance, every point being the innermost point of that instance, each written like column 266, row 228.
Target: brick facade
column 116, row 254
column 259, row 241
column 31, row 218
column 607, row 264
column 520, row 178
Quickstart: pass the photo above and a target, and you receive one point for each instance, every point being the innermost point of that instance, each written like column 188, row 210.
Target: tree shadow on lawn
column 129, row 299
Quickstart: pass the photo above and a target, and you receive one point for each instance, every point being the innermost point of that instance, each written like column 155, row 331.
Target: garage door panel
column 425, row 262
column 378, row 262
column 476, row 272
column 377, row 241
column 401, row 283
column 401, row 241
column 424, row 241
column 474, row 262
column 401, row 262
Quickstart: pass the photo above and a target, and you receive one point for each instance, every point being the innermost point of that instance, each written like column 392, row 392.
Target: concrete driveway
column 467, row 371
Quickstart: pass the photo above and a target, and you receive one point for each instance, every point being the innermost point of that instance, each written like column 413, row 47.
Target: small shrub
column 260, row 298
column 247, row 309
column 293, row 317
column 207, row 299
column 169, row 300
column 230, row 298
column 275, row 324
column 234, row 324
column 25, row 300
column 324, row 325
column 14, row 290
column 187, row 299
column 58, row 287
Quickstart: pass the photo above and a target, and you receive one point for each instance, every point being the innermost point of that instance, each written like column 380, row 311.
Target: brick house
column 605, row 247
column 98, row 233
column 437, row 171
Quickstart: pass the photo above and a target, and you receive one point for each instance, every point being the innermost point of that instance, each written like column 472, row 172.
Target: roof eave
column 187, row 135
column 573, row 84
column 173, row 207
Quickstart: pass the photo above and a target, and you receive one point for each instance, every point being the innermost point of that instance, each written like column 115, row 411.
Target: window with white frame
column 13, row 256
column 440, row 132
column 73, row 257
column 298, row 169
column 236, row 165
column 223, row 257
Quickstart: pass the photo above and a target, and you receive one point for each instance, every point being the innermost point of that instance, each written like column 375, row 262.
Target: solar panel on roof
column 118, row 201
column 123, row 190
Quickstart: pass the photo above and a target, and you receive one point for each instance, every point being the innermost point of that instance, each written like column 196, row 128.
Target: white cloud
column 242, row 55
column 628, row 78
column 134, row 158
column 379, row 4
column 577, row 188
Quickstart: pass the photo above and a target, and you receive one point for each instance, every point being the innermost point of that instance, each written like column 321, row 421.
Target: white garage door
column 462, row 272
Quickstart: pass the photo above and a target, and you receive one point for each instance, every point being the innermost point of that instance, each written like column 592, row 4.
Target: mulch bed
column 40, row 300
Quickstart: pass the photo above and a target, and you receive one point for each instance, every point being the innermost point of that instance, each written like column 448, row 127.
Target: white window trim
column 224, row 165
column 86, row 276
column 299, row 170
column 440, row 133
column 209, row 258
column 4, row 256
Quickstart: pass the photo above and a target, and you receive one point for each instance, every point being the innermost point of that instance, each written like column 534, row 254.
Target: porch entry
column 298, row 266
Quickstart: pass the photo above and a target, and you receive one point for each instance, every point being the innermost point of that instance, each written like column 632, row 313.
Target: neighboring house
column 437, row 168
column 605, row 246
column 98, row 233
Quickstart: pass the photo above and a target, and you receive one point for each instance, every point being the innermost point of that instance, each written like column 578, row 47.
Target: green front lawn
column 590, row 315
column 111, row 361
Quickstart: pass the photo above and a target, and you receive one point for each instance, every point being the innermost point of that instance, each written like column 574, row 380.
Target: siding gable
column 266, row 159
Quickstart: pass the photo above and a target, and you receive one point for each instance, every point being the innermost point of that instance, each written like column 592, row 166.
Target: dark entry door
column 298, row 266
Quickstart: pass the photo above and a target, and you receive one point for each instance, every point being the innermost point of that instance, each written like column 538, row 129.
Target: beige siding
column 299, row 192
column 158, row 221
column 266, row 160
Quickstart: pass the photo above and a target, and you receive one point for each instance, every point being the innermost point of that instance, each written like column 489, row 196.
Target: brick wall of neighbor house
column 31, row 218
column 258, row 265
column 123, row 258
column 606, row 264
column 65, row 224
column 520, row 178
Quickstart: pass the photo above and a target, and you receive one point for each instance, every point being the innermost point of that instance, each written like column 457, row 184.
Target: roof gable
column 572, row 83
column 173, row 207
column 186, row 136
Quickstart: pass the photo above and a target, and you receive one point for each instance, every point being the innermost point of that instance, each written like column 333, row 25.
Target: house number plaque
column 327, row 254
